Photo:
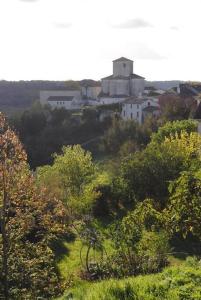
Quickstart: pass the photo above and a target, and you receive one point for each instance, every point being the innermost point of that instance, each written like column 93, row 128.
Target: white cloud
column 134, row 23
column 29, row 1
column 174, row 27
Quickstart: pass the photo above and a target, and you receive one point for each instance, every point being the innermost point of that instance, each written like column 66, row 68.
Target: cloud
column 29, row 1
column 174, row 28
column 134, row 23
column 62, row 25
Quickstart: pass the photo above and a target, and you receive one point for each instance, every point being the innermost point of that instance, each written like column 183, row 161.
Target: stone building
column 90, row 89
column 122, row 83
column 139, row 108
column 68, row 99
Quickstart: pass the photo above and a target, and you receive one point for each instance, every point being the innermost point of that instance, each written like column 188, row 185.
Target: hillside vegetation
column 117, row 227
column 176, row 283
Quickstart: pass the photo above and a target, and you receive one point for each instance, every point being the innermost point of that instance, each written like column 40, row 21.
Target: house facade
column 61, row 99
column 139, row 108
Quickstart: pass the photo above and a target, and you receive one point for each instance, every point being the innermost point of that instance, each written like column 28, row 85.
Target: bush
column 150, row 255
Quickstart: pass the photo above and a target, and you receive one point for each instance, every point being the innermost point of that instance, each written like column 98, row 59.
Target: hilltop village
column 138, row 99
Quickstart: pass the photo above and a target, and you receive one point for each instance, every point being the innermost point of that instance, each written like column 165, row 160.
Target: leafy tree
column 148, row 173
column 29, row 221
column 174, row 107
column 90, row 116
column 74, row 172
column 184, row 207
column 44, row 131
column 119, row 133
column 172, row 128
column 140, row 245
column 33, row 122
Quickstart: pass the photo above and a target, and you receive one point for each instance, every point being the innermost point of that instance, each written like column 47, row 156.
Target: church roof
column 60, row 98
column 132, row 76
column 122, row 59
column 134, row 100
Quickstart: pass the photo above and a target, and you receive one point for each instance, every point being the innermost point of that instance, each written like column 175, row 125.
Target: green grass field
column 174, row 283
column 180, row 281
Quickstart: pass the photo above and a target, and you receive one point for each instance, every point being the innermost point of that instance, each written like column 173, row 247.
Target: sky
column 77, row 39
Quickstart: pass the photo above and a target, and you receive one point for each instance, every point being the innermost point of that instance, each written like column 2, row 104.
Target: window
column 131, row 115
column 148, row 103
column 138, row 106
column 124, row 65
column 137, row 114
column 124, row 113
column 131, row 105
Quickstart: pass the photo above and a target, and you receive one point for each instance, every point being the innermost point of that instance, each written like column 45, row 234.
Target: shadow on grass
column 183, row 248
column 59, row 247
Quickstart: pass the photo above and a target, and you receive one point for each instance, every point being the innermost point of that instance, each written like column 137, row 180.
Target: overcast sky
column 76, row 39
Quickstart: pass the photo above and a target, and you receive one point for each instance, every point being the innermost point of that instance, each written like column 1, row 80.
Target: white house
column 139, row 108
column 122, row 83
column 58, row 99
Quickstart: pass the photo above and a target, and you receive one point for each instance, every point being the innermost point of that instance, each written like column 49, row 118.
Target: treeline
column 44, row 131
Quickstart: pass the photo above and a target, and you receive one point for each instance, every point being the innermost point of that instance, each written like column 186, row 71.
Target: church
column 123, row 83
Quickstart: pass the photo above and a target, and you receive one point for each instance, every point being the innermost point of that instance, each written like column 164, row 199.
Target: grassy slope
column 174, row 283
column 68, row 261
column 178, row 282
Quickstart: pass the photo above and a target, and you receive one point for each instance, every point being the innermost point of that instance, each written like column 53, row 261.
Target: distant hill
column 163, row 85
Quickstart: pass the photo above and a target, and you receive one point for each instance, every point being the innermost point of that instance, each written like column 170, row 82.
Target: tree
column 29, row 222
column 173, row 107
column 184, row 207
column 119, row 133
column 74, row 173
column 148, row 173
column 172, row 128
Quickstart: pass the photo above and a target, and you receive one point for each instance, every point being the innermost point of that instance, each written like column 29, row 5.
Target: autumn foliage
column 30, row 220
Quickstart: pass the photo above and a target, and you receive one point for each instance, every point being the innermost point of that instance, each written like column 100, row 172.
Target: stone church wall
column 137, row 87
column 123, row 68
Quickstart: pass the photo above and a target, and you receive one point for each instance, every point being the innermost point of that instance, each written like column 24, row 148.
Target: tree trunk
column 4, row 240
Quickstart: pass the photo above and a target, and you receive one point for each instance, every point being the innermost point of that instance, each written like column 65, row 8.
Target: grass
column 68, row 258
column 69, row 264
column 177, row 282
column 174, row 283
column 137, row 288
